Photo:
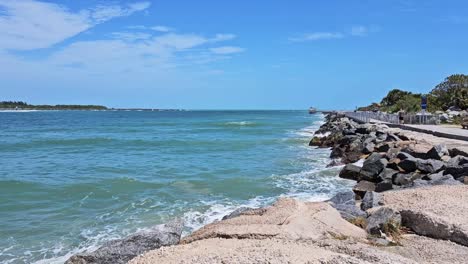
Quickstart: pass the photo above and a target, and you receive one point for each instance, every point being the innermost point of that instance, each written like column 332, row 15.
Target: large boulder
column 123, row 250
column 457, row 152
column 430, row 165
column 350, row 172
column 437, row 152
column 437, row 211
column 347, row 197
column 457, row 171
column 372, row 167
column 380, row 218
column 384, row 186
column 370, row 200
column 362, row 187
column 408, row 165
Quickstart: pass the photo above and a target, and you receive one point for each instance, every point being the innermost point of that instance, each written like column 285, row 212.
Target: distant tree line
column 24, row 105
column 452, row 93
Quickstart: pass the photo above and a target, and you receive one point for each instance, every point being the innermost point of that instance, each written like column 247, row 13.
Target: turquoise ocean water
column 70, row 180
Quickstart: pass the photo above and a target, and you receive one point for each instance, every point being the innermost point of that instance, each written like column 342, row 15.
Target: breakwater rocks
column 391, row 160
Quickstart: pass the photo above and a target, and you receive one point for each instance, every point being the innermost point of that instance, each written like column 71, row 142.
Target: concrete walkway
column 444, row 131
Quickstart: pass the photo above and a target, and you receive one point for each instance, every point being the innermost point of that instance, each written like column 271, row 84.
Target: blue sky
column 227, row 54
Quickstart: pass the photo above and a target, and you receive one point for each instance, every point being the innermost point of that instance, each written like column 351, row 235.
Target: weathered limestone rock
column 436, row 211
column 287, row 219
column 123, row 250
column 381, row 216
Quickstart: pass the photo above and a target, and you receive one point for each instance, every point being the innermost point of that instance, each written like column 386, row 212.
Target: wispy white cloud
column 355, row 31
column 29, row 24
column 162, row 29
column 226, row 50
column 317, row 36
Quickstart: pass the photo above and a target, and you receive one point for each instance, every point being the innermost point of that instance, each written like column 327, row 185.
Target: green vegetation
column 451, row 93
column 25, row 106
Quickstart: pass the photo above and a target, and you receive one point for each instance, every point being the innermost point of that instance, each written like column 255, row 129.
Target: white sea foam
column 240, row 123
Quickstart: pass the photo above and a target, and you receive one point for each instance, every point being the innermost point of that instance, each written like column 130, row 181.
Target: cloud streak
column 355, row 31
column 29, row 25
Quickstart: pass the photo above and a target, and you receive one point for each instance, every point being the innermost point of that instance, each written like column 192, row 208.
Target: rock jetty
column 408, row 206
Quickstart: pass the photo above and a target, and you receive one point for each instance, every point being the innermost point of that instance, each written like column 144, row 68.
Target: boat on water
column 312, row 110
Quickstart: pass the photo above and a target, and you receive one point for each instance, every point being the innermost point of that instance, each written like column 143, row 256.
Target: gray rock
column 457, row 161
column 238, row 212
column 457, row 152
column 362, row 187
column 368, row 148
column 343, row 198
column 438, row 179
column 123, row 250
column 372, row 167
column 457, row 171
column 402, row 179
column 408, row 165
column 404, row 156
column 349, row 212
column 350, row 172
column 392, row 153
column 387, row 174
column 429, row 166
column 393, row 164
column 430, row 225
column 383, row 147
column 437, row 152
column 370, row 200
column 392, row 137
column 384, row 186
column 380, row 217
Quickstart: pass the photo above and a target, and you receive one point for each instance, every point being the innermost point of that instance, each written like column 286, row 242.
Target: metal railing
column 414, row 119
column 367, row 117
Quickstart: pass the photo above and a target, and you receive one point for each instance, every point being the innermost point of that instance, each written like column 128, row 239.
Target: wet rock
column 380, row 217
column 362, row 187
column 334, row 163
column 237, row 212
column 437, row 152
column 370, row 200
column 350, row 172
column 123, row 250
